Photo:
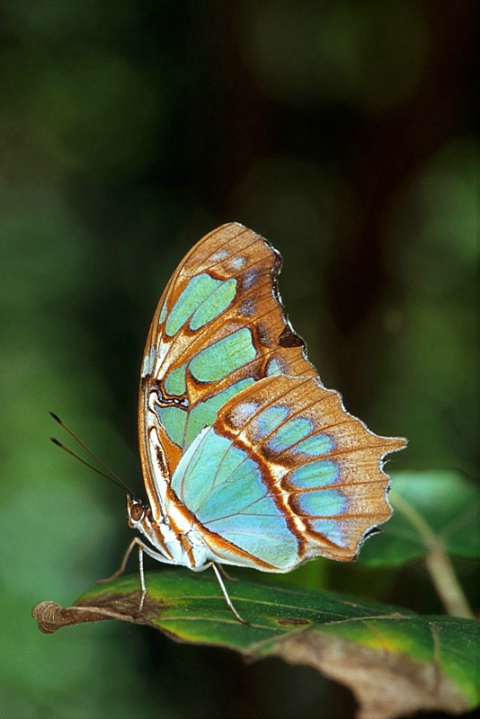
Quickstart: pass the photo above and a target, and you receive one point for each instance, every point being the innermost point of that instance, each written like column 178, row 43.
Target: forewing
column 218, row 329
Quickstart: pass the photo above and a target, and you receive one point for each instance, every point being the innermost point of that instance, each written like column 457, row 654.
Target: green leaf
column 394, row 661
column 431, row 508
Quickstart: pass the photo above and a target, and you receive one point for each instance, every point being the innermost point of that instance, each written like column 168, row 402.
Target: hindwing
column 284, row 474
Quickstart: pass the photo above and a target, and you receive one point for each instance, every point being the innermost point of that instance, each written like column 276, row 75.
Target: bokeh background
column 342, row 130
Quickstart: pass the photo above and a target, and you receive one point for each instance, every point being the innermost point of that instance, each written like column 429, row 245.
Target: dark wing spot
column 161, row 462
column 289, row 338
column 263, row 335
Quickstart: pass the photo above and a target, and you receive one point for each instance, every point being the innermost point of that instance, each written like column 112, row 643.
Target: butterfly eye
column 136, row 512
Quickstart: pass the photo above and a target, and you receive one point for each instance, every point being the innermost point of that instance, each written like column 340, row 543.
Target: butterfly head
column 167, row 545
column 136, row 511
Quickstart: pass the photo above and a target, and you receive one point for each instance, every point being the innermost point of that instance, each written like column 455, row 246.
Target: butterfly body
column 175, row 539
column 247, row 458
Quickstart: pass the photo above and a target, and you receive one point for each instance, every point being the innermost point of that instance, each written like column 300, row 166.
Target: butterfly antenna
column 108, row 474
column 80, row 459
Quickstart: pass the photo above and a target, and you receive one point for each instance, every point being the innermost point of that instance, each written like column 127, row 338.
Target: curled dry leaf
column 51, row 616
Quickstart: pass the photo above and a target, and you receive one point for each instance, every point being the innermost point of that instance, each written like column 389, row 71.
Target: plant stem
column 438, row 564
column 447, row 585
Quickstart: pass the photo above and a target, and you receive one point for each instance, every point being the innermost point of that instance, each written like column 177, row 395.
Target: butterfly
column 247, row 459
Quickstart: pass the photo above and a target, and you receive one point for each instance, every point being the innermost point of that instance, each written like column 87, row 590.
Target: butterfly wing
column 283, row 475
column 218, row 329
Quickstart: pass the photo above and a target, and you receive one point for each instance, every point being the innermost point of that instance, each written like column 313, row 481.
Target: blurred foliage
column 343, row 131
column 431, row 508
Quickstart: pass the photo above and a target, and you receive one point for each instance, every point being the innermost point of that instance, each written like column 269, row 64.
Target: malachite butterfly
column 247, row 458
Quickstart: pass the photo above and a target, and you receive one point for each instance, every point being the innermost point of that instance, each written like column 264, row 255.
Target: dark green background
column 344, row 131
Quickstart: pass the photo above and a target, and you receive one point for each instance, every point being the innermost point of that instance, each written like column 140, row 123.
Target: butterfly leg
column 141, row 549
column 223, row 588
column 225, row 594
column 151, row 553
column 121, row 569
column 226, row 575
column 142, row 576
